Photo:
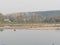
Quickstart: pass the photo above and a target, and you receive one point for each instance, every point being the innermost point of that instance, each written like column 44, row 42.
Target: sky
column 12, row 6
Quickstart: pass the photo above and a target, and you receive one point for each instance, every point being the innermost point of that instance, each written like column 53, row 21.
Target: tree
column 1, row 17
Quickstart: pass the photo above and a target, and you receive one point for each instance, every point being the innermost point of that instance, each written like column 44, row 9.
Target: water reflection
column 1, row 30
column 29, row 37
column 7, row 29
column 14, row 29
column 52, row 43
column 3, row 44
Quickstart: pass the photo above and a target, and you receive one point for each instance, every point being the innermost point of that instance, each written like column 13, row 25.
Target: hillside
column 46, row 13
column 32, row 17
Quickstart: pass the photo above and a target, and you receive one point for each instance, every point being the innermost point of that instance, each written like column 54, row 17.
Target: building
column 7, row 20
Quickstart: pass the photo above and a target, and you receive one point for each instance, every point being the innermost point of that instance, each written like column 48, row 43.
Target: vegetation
column 31, row 17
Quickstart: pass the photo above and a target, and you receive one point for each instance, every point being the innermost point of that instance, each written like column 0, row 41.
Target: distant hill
column 37, row 16
column 45, row 13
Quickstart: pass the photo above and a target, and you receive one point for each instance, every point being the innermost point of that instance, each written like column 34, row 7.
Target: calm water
column 29, row 37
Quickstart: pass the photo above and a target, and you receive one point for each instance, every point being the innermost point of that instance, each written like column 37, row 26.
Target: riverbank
column 31, row 26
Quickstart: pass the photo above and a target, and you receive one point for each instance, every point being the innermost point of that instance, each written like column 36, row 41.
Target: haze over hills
column 43, row 13
column 37, row 16
column 53, row 12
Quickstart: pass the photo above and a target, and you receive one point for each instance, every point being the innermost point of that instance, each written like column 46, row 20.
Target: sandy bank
column 31, row 26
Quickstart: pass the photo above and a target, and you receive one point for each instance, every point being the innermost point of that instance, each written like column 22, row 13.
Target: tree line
column 27, row 18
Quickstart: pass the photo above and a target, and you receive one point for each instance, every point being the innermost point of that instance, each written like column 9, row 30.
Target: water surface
column 29, row 37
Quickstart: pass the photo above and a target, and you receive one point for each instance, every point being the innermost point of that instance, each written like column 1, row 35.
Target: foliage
column 32, row 17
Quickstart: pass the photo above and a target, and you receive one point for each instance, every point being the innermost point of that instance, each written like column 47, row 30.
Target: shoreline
column 31, row 26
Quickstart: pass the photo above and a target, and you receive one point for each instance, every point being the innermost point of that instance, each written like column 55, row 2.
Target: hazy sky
column 11, row 6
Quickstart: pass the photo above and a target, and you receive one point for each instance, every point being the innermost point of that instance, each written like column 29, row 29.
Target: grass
column 29, row 22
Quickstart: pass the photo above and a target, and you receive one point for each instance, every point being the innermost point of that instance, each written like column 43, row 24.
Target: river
column 29, row 37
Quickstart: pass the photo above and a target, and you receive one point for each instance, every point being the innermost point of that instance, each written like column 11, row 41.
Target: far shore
column 31, row 26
